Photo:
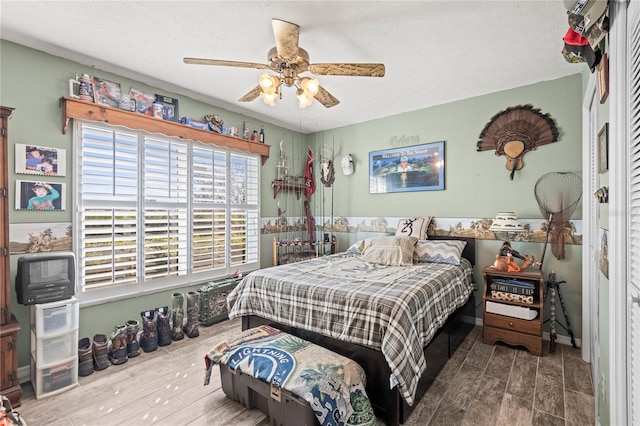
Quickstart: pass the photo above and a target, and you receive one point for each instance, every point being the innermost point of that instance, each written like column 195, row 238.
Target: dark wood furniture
column 388, row 404
column 508, row 329
column 9, row 385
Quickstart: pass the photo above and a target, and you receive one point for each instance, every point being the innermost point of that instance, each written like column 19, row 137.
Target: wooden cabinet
column 506, row 314
column 9, row 327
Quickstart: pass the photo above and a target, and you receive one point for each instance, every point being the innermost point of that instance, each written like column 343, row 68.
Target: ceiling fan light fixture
column 310, row 85
column 304, row 99
column 269, row 83
column 269, row 98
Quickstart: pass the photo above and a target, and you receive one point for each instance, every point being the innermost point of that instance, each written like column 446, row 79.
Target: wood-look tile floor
column 480, row 385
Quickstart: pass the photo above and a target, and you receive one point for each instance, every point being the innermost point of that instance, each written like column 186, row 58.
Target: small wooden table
column 509, row 329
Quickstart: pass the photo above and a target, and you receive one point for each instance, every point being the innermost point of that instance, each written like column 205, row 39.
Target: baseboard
column 24, row 374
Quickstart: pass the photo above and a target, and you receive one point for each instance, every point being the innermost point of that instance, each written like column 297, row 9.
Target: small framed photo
column 144, row 100
column 603, row 78
column 169, row 107
column 106, row 92
column 603, row 149
column 40, row 160
column 40, row 195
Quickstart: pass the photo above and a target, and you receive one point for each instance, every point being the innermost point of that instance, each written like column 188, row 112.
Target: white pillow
column 393, row 251
column 414, row 227
column 440, row 251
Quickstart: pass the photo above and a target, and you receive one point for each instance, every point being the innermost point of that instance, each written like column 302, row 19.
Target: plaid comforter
column 394, row 309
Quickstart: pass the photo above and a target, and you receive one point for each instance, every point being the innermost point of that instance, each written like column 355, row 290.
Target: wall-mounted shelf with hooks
column 291, row 186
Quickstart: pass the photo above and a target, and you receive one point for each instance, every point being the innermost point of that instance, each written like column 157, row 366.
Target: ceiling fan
column 289, row 60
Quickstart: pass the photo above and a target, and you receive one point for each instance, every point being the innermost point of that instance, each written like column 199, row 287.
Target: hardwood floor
column 480, row 385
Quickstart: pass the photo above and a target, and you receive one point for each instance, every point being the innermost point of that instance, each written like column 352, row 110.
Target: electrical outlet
column 603, row 388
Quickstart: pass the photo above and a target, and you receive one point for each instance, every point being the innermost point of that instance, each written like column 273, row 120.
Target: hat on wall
column 347, row 165
column 589, row 19
column 577, row 49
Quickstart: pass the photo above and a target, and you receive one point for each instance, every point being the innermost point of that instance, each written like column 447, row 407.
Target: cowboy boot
column 100, row 357
column 85, row 357
column 164, row 328
column 177, row 316
column 191, row 327
column 117, row 351
column 133, row 348
column 149, row 336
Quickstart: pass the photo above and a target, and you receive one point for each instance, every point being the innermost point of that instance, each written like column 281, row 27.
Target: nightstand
column 507, row 320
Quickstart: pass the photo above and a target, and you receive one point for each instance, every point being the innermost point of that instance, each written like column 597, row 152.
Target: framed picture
column 40, row 160
column 106, row 92
column 603, row 78
column 144, row 101
column 410, row 168
column 603, row 149
column 38, row 237
column 40, row 195
column 169, row 107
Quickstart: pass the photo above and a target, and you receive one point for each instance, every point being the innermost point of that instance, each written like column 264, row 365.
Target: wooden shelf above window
column 82, row 110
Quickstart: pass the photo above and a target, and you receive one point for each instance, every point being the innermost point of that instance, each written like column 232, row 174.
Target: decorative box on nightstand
column 513, row 320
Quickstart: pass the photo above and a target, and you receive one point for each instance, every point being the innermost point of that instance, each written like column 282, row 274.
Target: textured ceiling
column 435, row 52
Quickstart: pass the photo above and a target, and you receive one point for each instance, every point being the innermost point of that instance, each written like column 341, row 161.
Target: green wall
column 32, row 82
column 477, row 183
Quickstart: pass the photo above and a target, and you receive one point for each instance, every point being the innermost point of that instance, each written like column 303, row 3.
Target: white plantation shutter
column 209, row 239
column 109, row 165
column 244, row 191
column 166, row 183
column 158, row 212
column 109, row 247
column 209, row 220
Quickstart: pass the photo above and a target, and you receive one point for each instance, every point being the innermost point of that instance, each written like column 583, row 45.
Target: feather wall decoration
column 516, row 131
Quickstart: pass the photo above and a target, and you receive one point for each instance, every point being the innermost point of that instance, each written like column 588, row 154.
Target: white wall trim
column 618, row 207
column 589, row 216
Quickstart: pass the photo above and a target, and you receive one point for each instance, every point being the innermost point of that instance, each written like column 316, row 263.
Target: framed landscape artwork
column 409, row 168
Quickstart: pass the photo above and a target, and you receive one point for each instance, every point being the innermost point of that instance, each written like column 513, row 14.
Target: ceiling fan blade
column 251, row 95
column 202, row 61
column 358, row 70
column 326, row 98
column 287, row 36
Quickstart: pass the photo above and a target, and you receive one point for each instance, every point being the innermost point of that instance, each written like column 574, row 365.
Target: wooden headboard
column 468, row 253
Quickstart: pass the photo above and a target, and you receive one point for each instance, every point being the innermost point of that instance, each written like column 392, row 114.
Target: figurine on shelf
column 504, row 259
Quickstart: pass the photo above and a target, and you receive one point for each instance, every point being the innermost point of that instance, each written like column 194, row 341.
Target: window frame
column 251, row 208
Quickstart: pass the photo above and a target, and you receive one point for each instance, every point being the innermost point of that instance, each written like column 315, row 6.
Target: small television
column 45, row 277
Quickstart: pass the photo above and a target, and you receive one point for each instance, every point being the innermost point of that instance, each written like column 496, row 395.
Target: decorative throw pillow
column 356, row 248
column 393, row 251
column 440, row 251
column 414, row 227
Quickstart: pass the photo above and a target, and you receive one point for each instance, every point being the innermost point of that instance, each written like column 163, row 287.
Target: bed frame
column 388, row 404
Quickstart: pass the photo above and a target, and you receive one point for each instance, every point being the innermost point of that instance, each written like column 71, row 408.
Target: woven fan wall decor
column 515, row 131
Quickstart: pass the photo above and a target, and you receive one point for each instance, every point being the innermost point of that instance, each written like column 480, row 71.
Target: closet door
column 633, row 254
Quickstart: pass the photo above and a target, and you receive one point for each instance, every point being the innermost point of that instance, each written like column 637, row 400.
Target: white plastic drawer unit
column 54, row 379
column 48, row 319
column 47, row 351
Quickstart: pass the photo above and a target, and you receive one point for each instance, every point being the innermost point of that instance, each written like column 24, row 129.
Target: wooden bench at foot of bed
column 387, row 403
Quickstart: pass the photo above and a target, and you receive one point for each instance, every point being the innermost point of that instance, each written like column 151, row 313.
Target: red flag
column 308, row 175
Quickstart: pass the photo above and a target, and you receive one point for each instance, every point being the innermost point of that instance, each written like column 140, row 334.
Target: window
column 155, row 212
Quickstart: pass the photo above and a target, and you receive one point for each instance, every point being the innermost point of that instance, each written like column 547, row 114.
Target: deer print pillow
column 414, row 227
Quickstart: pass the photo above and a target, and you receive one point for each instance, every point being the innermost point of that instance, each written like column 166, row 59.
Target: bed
column 400, row 322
